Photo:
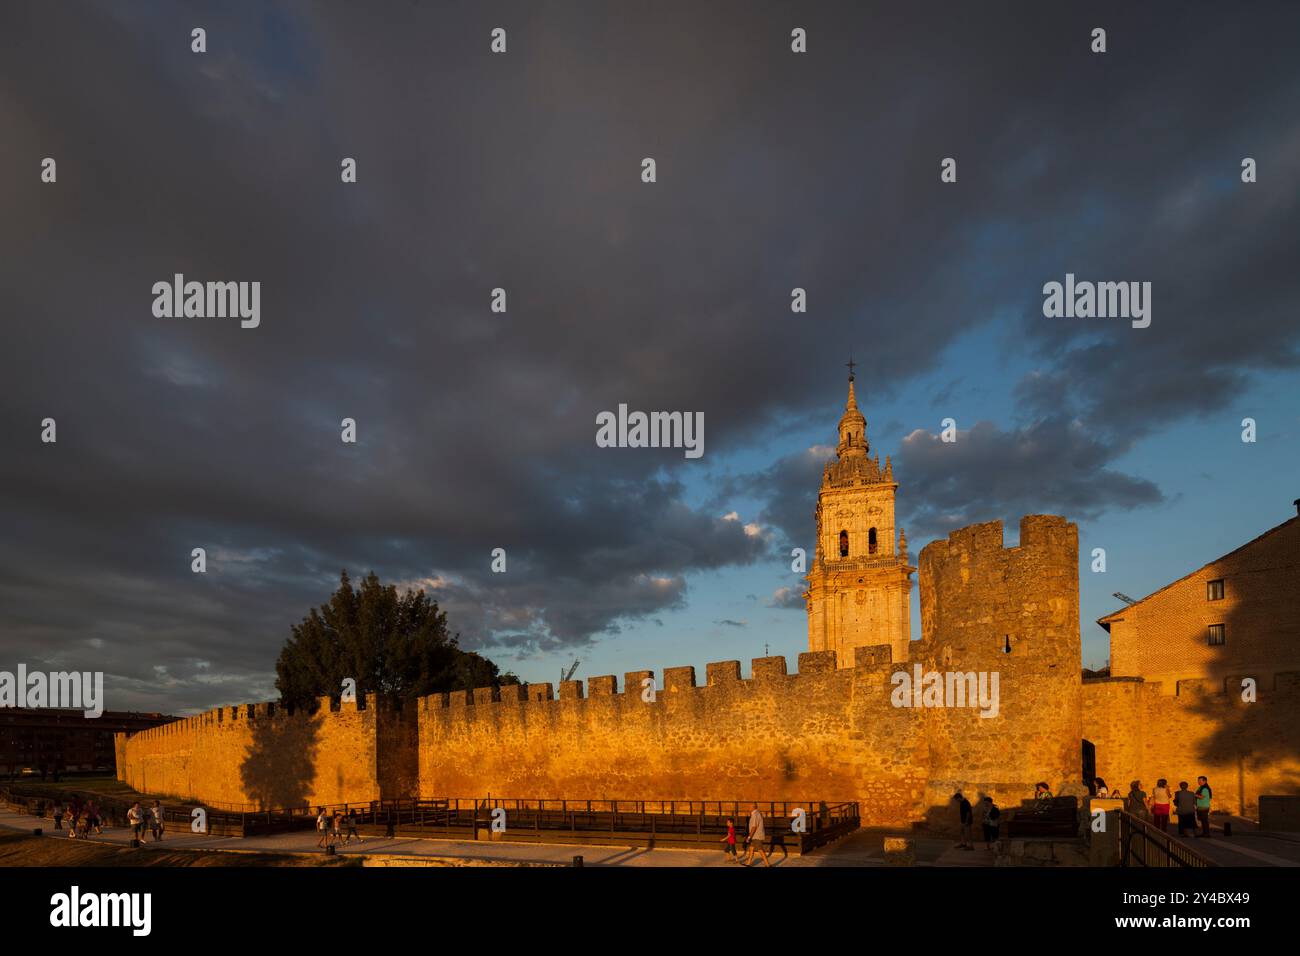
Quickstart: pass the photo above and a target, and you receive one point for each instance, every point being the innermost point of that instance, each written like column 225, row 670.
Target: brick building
column 49, row 740
column 1238, row 616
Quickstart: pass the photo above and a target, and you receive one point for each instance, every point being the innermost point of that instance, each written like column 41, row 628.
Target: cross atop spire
column 851, row 364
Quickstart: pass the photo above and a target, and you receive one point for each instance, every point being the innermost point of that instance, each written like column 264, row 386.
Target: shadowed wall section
column 1142, row 732
column 257, row 756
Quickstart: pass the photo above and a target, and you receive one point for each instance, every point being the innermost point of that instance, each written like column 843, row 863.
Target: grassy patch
column 109, row 786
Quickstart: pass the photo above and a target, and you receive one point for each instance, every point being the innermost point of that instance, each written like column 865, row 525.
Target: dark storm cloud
column 789, row 488
column 1052, row 465
column 476, row 430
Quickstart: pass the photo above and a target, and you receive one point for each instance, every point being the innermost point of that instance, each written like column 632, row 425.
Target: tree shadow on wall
column 1260, row 739
column 279, row 769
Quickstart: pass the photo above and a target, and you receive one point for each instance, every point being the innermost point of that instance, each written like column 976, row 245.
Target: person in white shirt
column 135, row 817
column 757, row 837
column 156, row 821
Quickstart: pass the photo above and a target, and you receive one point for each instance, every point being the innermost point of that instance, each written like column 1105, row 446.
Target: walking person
column 92, row 818
column 1203, row 796
column 1185, row 807
column 967, row 820
column 757, row 837
column 135, row 820
column 992, row 817
column 156, row 821
column 336, row 826
column 1160, row 800
column 321, row 827
column 58, row 814
column 730, row 841
column 352, row 827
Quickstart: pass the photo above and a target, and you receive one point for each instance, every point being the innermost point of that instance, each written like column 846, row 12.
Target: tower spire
column 852, row 404
column 860, row 582
column 853, row 426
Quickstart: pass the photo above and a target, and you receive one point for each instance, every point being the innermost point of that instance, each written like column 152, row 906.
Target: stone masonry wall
column 822, row 734
column 258, row 755
column 819, row 735
column 978, row 599
column 1142, row 732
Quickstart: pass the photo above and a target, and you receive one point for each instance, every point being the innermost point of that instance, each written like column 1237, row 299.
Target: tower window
column 1214, row 590
column 871, row 541
column 1217, row 636
column 844, row 544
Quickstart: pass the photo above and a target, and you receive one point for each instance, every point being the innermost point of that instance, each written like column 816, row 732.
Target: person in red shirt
column 730, row 840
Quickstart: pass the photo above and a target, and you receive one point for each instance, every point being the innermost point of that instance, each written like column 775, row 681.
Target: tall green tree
column 396, row 644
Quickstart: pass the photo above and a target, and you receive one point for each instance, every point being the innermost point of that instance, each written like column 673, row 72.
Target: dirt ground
column 23, row 849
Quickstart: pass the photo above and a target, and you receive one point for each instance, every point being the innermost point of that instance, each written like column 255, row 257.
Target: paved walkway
column 1246, row 847
column 863, row 848
column 450, row 850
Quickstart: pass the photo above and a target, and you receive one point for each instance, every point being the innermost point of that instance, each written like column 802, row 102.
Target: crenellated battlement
column 675, row 680
column 715, row 734
column 267, row 710
column 984, row 601
column 1040, row 533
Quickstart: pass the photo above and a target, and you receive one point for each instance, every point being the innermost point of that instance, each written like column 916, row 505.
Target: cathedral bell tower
column 860, row 584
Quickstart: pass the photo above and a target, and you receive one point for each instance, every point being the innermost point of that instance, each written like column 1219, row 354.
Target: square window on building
column 1216, row 635
column 1214, row 590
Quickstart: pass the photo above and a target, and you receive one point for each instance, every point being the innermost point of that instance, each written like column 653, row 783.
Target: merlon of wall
column 675, row 680
column 269, row 710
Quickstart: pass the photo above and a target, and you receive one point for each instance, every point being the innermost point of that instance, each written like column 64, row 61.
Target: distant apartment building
column 55, row 740
column 1238, row 616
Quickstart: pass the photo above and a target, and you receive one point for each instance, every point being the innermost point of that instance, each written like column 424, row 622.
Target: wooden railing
column 642, row 821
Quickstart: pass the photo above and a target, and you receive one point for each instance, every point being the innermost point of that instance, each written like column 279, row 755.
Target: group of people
column 85, row 818
column 990, row 820
column 137, row 818
column 331, row 827
column 1192, row 807
column 755, row 840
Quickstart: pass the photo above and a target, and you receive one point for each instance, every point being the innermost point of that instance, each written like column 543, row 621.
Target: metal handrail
column 1141, row 844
